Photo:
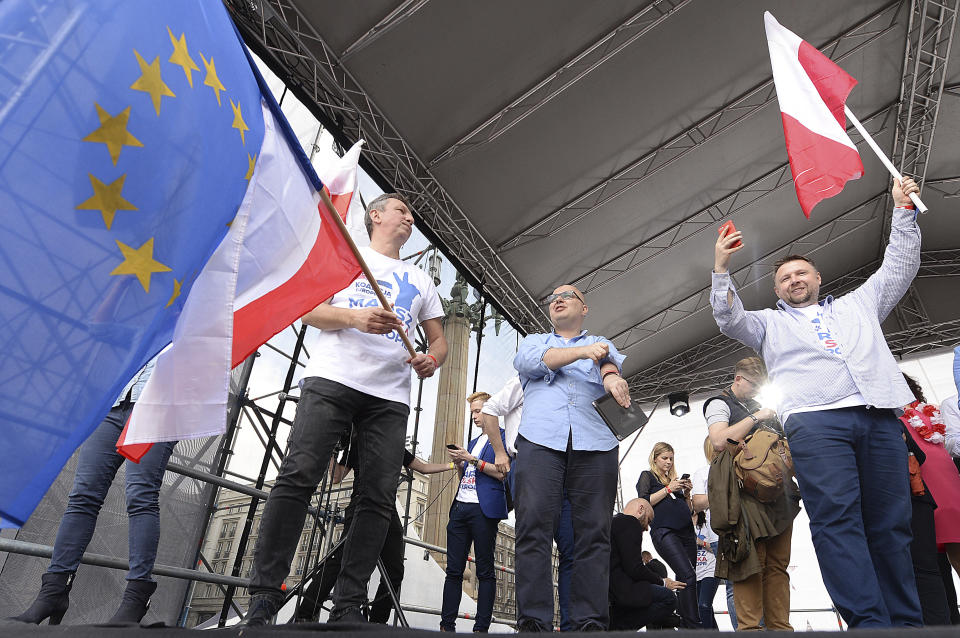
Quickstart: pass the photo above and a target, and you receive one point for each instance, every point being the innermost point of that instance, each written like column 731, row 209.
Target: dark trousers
column 326, row 412
column 96, row 469
column 662, row 605
column 564, row 539
column 851, row 464
column 590, row 479
column 469, row 526
column 706, row 592
column 322, row 584
column 923, row 549
column 679, row 549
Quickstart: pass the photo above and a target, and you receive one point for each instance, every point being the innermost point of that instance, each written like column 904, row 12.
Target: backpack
column 763, row 465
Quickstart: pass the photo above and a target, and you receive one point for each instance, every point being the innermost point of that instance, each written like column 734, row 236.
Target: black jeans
column 469, row 526
column 322, row 584
column 679, row 549
column 590, row 479
column 662, row 604
column 326, row 412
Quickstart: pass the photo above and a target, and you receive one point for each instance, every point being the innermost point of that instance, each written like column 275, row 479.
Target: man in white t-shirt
column 359, row 376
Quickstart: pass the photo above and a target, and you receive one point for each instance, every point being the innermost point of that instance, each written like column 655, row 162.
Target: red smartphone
column 728, row 228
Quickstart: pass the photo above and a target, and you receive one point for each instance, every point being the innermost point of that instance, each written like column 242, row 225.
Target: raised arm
column 735, row 322
column 901, row 259
column 431, row 468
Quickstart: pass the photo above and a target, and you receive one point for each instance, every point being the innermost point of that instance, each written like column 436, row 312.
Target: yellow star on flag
column 139, row 262
column 238, row 122
column 251, row 164
column 150, row 81
column 107, row 199
column 211, row 78
column 113, row 132
column 181, row 56
column 176, row 292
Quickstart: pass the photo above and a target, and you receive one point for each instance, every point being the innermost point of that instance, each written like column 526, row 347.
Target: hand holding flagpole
column 883, row 158
column 363, row 265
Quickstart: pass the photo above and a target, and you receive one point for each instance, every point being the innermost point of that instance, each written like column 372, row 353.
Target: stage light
column 679, row 403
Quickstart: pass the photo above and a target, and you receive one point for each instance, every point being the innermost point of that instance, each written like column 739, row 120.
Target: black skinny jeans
column 679, row 549
column 326, row 412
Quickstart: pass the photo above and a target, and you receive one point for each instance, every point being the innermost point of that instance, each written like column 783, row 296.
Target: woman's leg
column 674, row 549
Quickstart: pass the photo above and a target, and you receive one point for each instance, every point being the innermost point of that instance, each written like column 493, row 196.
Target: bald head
column 640, row 509
column 567, row 308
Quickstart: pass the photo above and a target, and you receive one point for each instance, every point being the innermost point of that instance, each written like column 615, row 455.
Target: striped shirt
column 809, row 375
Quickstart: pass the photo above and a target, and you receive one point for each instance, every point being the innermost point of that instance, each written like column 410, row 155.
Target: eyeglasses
column 755, row 384
column 565, row 295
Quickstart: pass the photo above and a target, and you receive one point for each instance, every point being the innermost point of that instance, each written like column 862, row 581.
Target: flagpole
column 883, row 158
column 363, row 266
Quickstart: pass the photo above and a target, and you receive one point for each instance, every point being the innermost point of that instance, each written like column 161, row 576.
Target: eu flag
column 128, row 131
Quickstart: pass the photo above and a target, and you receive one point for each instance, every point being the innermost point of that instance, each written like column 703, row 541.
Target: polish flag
column 812, row 91
column 283, row 256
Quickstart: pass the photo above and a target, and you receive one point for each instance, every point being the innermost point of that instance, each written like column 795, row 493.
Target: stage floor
column 12, row 630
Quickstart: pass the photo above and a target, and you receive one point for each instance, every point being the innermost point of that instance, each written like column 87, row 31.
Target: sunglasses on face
column 566, row 295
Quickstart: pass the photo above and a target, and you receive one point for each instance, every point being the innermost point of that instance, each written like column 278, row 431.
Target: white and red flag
column 812, row 91
column 284, row 255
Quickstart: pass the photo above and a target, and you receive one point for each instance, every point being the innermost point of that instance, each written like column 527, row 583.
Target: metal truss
column 929, row 39
column 926, row 54
column 292, row 47
column 949, row 187
column 707, row 218
column 849, row 42
column 635, row 27
column 826, row 234
column 694, row 369
column 406, row 9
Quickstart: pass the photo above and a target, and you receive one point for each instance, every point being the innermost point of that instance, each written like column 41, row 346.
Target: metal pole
column 476, row 365
column 407, row 471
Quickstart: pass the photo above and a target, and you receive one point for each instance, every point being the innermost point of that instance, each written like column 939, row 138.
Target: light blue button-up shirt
column 558, row 404
column 137, row 383
column 807, row 374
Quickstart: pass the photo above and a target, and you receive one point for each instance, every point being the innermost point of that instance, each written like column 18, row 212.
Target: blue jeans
column 706, row 590
column 851, row 465
column 469, row 526
column 326, row 412
column 96, row 468
column 728, row 585
column 564, row 538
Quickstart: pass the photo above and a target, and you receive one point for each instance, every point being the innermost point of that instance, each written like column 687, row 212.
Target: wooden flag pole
column 363, row 266
column 883, row 158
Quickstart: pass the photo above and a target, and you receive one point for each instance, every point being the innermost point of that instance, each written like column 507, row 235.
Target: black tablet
column 622, row 421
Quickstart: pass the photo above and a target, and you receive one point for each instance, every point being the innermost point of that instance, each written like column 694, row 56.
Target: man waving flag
column 812, row 91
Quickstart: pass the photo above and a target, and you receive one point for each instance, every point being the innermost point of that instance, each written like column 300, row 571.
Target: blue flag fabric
column 128, row 132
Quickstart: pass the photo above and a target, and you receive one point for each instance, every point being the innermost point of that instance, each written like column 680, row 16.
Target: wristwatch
column 474, row 462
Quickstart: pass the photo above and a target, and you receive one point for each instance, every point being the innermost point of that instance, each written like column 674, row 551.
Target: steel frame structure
column 282, row 36
column 559, row 80
column 730, row 114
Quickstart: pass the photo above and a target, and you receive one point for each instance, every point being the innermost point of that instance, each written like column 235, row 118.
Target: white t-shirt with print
column 374, row 363
column 467, row 492
column 706, row 560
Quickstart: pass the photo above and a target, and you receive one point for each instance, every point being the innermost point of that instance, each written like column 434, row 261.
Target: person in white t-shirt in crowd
column 707, row 583
column 359, row 376
column 475, row 516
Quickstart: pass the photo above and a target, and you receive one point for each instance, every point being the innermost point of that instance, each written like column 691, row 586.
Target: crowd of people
column 852, row 440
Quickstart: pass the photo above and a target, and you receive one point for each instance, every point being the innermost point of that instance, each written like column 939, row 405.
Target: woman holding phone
column 671, row 528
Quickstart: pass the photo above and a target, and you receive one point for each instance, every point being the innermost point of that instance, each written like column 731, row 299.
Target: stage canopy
column 602, row 143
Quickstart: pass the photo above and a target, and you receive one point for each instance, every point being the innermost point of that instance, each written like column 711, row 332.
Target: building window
column 299, row 569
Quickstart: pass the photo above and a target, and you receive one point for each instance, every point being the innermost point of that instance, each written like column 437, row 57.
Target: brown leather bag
column 763, row 465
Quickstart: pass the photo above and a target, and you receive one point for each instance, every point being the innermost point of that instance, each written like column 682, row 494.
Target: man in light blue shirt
column 563, row 443
column 840, row 385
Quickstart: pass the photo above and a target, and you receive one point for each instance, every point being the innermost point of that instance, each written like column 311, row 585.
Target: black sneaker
column 592, row 625
column 351, row 615
column 529, row 625
column 262, row 609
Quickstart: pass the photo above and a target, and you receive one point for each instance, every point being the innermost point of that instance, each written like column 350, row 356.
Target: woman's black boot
column 51, row 602
column 135, row 603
